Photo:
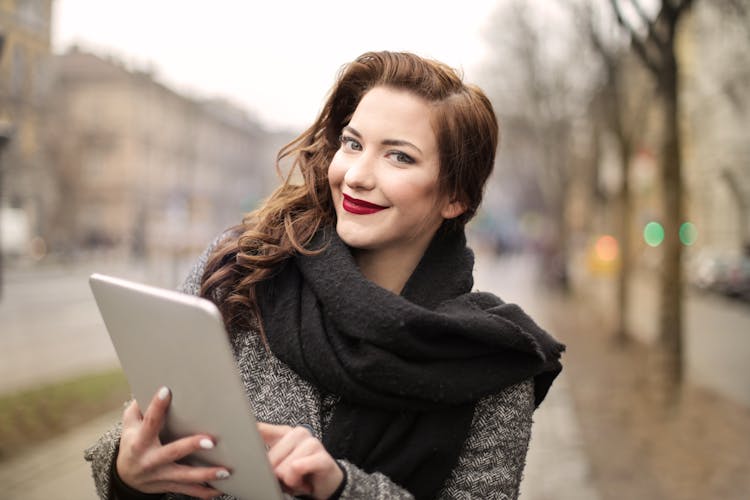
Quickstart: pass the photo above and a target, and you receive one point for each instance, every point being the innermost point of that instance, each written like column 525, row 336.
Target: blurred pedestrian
column 347, row 298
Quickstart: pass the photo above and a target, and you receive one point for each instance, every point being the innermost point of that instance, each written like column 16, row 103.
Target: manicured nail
column 163, row 393
column 222, row 474
column 206, row 444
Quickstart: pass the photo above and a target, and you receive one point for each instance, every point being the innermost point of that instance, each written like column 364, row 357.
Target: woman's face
column 384, row 177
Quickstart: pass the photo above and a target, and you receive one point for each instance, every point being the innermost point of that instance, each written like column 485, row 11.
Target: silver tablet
column 167, row 338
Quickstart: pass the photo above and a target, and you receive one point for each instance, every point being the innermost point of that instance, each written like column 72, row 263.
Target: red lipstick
column 360, row 207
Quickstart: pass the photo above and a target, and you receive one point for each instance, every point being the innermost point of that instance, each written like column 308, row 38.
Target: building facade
column 716, row 101
column 25, row 186
column 144, row 169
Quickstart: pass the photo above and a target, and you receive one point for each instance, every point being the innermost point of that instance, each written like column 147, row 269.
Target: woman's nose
column 361, row 174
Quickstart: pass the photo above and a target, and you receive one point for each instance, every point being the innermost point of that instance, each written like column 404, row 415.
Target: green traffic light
column 653, row 233
column 688, row 233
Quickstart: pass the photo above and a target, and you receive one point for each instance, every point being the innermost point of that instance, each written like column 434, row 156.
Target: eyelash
column 407, row 159
column 347, row 141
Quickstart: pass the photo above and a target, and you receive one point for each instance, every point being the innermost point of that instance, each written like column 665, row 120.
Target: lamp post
column 6, row 132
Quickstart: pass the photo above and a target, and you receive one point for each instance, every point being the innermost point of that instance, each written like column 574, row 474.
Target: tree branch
column 681, row 6
column 621, row 19
column 650, row 24
column 638, row 44
column 640, row 11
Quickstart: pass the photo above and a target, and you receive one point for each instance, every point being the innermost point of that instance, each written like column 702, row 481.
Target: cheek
column 336, row 172
column 417, row 192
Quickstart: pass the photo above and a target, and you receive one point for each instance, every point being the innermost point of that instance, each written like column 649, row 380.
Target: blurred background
column 618, row 215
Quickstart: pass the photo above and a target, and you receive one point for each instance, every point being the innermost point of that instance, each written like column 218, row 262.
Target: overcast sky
column 275, row 58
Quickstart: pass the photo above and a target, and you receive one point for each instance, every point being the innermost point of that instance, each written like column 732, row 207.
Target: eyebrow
column 386, row 142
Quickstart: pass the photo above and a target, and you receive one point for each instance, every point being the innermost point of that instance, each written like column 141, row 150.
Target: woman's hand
column 146, row 465
column 300, row 461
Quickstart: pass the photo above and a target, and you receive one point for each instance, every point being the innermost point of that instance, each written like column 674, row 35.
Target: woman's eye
column 350, row 143
column 402, row 157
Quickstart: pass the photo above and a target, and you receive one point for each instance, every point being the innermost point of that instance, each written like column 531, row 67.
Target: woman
column 347, row 298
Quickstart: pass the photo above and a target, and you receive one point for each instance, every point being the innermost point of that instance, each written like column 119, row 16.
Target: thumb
column 272, row 433
column 132, row 415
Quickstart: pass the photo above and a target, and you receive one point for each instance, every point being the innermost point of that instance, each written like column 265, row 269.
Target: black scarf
column 409, row 368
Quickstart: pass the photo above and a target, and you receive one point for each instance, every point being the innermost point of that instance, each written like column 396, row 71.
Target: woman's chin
column 355, row 236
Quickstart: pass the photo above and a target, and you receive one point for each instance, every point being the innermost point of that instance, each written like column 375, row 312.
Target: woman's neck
column 389, row 268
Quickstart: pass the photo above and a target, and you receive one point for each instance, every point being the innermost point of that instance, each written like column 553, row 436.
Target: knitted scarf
column 409, row 368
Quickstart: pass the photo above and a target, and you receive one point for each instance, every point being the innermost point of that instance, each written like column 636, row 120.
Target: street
column 50, row 327
column 556, row 463
column 716, row 333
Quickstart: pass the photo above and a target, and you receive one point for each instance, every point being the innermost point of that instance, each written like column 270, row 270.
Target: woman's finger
column 287, row 445
column 311, row 464
column 180, row 448
column 272, row 433
column 153, row 419
column 285, row 471
column 178, row 473
column 302, row 447
column 321, row 471
column 190, row 489
column 131, row 416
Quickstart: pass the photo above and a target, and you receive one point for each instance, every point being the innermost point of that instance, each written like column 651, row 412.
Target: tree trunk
column 656, row 50
column 670, row 321
column 625, row 210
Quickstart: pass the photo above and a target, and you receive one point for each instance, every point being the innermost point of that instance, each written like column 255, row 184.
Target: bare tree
column 652, row 38
column 540, row 92
column 721, row 95
column 617, row 114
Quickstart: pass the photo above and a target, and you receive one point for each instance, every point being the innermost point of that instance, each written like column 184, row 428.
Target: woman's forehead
column 385, row 113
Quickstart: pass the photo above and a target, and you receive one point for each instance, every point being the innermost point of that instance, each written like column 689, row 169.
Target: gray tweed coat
column 490, row 465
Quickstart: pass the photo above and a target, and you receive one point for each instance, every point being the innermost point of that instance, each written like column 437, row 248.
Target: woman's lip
column 360, row 207
column 362, row 203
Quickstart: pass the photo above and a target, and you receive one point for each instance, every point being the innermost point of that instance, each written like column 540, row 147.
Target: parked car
column 724, row 274
column 708, row 271
column 737, row 279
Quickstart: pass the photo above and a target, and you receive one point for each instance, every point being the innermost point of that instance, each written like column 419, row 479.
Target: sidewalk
column 556, row 465
column 56, row 469
column 51, row 327
column 556, row 468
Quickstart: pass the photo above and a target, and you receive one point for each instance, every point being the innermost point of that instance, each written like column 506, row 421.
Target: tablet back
column 167, row 338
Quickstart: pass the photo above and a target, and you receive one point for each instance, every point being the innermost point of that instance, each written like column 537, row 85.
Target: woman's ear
column 453, row 209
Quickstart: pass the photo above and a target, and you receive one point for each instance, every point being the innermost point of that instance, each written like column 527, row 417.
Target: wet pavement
column 55, row 469
column 556, row 467
column 50, row 327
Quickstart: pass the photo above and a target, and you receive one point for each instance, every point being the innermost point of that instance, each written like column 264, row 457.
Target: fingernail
column 206, row 444
column 163, row 393
column 222, row 474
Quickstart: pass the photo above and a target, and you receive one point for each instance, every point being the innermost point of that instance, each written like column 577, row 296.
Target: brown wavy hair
column 467, row 135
